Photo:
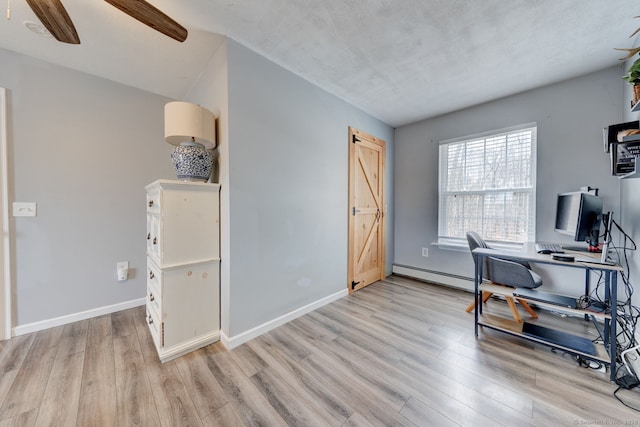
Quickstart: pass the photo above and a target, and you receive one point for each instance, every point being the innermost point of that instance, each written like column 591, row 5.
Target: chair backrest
column 476, row 241
column 510, row 273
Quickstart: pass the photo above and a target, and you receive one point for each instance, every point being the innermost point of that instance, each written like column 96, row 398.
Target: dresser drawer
column 153, row 236
column 153, row 201
column 154, row 302
column 154, row 278
column 154, row 327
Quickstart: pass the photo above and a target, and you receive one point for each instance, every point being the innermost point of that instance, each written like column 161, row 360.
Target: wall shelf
column 634, row 174
column 632, row 139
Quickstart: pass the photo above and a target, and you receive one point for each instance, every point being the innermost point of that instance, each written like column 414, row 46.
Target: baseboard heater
column 437, row 277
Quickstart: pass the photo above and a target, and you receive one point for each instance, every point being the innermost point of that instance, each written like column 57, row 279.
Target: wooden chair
column 506, row 273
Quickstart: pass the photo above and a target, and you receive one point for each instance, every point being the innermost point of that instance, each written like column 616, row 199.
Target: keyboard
column 548, row 247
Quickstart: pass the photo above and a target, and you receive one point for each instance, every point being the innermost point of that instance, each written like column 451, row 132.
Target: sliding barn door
column 366, row 209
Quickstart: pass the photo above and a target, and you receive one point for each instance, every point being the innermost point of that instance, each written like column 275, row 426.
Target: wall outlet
column 425, row 252
column 24, row 209
column 122, row 269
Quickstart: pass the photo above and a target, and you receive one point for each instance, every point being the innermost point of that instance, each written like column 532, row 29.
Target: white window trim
column 490, row 133
column 458, row 244
column 461, row 245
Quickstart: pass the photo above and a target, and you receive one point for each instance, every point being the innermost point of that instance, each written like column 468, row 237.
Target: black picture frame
column 612, row 132
column 624, row 155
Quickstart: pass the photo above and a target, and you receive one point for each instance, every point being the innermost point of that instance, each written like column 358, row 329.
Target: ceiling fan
column 55, row 18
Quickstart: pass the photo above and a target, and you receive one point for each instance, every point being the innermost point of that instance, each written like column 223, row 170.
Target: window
column 488, row 184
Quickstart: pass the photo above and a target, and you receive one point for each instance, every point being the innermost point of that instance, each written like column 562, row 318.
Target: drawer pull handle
column 149, row 319
column 150, row 203
column 155, row 240
column 151, row 275
column 151, row 297
column 148, row 236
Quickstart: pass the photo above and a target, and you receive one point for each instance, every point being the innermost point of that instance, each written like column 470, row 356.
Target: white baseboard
column 167, row 354
column 439, row 278
column 235, row 341
column 70, row 318
column 228, row 342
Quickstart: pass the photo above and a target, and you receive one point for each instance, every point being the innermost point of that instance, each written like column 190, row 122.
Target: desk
column 586, row 261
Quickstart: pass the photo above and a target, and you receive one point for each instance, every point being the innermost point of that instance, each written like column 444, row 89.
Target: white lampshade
column 186, row 122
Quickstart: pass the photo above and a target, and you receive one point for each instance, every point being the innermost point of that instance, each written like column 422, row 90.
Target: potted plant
column 633, row 73
column 633, row 78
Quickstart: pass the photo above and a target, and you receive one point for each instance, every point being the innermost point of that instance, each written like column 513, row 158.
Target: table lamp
column 191, row 129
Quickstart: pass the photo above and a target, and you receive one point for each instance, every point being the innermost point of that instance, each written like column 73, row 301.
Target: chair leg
column 486, row 296
column 527, row 307
column 510, row 302
column 472, row 306
column 514, row 309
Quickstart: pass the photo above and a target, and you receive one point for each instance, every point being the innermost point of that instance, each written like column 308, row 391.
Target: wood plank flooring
column 398, row 353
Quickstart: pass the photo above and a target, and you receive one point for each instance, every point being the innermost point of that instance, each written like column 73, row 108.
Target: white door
column 5, row 273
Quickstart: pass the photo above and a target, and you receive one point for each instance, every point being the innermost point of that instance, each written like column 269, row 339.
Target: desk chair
column 506, row 273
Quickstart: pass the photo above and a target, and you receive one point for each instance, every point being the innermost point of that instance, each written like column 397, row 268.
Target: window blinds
column 487, row 184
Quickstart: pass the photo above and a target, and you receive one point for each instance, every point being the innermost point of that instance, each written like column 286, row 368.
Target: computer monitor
column 578, row 215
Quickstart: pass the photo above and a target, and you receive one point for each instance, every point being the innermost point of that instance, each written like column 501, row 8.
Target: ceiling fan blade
column 55, row 18
column 151, row 16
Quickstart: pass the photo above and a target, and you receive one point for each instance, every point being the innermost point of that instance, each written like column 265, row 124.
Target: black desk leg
column 611, row 279
column 587, row 287
column 478, row 298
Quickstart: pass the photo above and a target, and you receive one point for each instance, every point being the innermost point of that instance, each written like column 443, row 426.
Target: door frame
column 5, row 236
column 355, row 133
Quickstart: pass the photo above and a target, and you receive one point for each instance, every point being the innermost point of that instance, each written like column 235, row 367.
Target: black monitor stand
column 607, row 220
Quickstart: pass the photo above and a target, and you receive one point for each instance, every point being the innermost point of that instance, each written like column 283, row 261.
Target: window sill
column 448, row 246
column 463, row 247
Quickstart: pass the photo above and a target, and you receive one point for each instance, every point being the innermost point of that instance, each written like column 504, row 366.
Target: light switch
column 24, row 209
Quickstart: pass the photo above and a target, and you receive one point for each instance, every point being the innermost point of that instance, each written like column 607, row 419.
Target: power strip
column 627, row 382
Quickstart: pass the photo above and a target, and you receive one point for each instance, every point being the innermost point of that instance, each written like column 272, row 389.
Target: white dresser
column 183, row 266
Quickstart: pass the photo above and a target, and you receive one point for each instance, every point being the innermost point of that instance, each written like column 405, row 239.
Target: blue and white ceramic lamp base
column 192, row 161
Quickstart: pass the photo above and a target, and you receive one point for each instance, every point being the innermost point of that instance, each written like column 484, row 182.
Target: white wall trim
column 235, row 341
column 5, row 250
column 224, row 339
column 439, row 278
column 167, row 354
column 70, row 318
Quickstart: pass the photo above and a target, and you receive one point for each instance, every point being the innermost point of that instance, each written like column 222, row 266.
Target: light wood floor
column 399, row 352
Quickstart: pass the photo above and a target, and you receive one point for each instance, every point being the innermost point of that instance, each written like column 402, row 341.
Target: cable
column 626, row 312
column 615, row 393
column 590, row 364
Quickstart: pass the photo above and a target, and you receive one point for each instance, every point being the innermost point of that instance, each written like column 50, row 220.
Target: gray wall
column 83, row 148
column 630, row 223
column 288, row 176
column 211, row 91
column 283, row 167
column 629, row 200
column 570, row 118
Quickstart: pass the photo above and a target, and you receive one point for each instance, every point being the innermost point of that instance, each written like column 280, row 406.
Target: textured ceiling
column 399, row 60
